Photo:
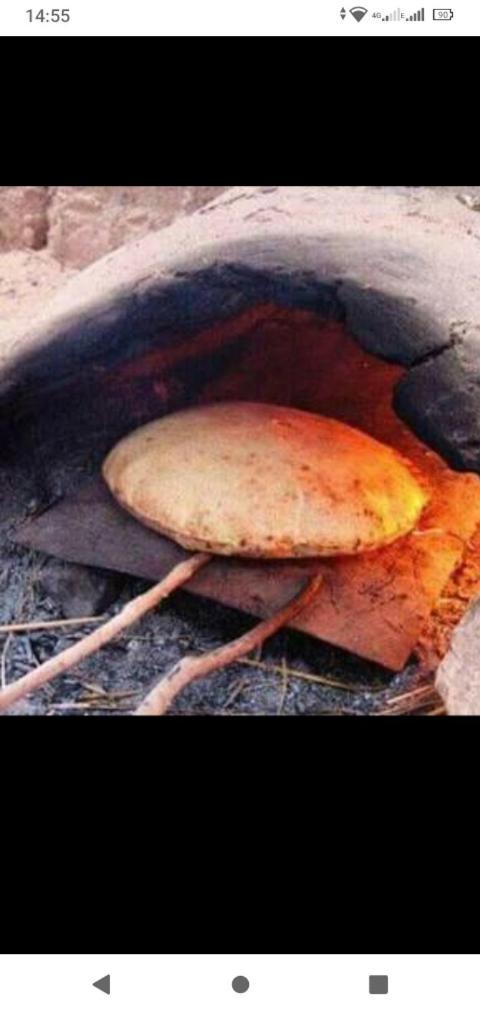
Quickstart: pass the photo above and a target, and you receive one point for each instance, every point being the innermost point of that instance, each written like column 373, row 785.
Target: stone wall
column 23, row 218
column 80, row 224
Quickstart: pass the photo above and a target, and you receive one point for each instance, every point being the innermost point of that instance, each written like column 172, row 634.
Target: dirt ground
column 294, row 675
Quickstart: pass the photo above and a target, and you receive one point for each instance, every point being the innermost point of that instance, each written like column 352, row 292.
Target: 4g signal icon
column 357, row 12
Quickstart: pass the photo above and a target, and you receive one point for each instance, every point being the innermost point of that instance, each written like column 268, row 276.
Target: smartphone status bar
column 216, row 18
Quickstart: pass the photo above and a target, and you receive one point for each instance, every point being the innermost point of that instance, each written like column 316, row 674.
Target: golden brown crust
column 256, row 480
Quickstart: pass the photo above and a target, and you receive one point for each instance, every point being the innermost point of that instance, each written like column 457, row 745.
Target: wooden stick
column 104, row 634
column 19, row 628
column 3, row 663
column 191, row 668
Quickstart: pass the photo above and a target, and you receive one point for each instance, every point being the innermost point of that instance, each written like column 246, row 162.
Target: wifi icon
column 358, row 12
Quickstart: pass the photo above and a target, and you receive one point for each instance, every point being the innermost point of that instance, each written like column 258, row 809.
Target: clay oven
column 344, row 301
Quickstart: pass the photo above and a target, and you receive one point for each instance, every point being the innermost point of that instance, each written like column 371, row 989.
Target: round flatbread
column 257, row 480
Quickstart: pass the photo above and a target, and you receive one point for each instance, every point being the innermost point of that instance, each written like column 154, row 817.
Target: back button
column 103, row 984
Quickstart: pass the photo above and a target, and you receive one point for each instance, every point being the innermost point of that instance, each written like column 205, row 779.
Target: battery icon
column 442, row 14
